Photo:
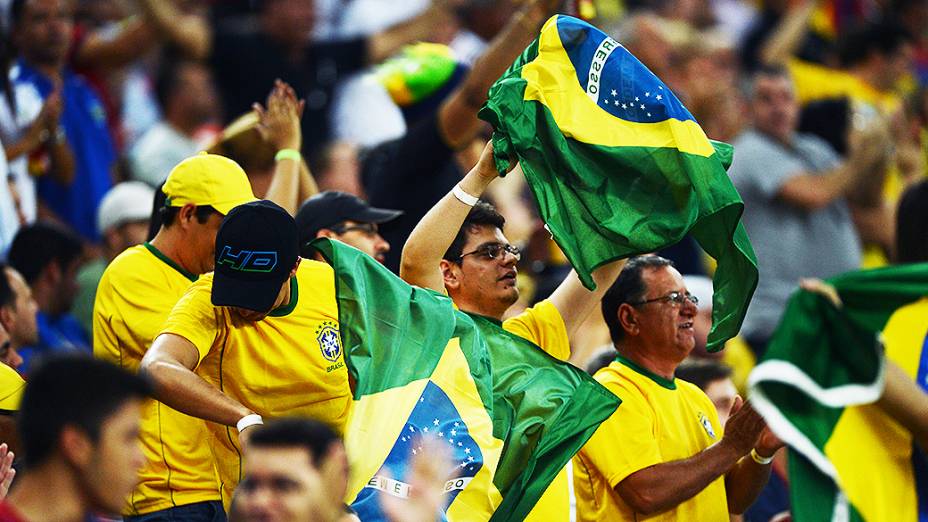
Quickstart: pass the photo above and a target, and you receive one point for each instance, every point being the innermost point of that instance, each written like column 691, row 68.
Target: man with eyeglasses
column 663, row 455
column 345, row 217
column 459, row 248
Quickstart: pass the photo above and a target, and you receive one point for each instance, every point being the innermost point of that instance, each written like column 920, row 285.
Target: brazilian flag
column 815, row 387
column 617, row 164
column 511, row 415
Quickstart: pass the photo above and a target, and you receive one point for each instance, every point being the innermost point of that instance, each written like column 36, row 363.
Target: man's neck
column 179, row 122
column 649, row 361
column 170, row 243
column 31, row 495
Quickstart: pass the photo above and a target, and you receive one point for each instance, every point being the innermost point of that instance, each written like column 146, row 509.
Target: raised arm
column 384, row 44
column 189, row 31
column 279, row 125
column 458, row 114
column 788, row 35
column 575, row 302
column 428, row 242
column 170, row 363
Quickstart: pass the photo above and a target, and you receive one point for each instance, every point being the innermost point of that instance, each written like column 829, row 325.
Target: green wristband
column 290, row 154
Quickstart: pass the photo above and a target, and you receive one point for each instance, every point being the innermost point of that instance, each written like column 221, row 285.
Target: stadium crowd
column 153, row 150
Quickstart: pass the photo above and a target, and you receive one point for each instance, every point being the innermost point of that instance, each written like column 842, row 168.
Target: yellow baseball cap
column 208, row 179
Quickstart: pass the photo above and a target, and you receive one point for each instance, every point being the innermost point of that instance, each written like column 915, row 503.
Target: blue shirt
column 60, row 334
column 84, row 123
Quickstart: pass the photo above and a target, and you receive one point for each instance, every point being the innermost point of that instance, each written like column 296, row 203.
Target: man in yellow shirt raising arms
column 663, row 455
column 257, row 338
column 459, row 248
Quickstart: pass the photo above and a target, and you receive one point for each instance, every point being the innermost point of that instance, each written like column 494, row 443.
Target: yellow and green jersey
column 134, row 297
column 287, row 364
column 659, row 421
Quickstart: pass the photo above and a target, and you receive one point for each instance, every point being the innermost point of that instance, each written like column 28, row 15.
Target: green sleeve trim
column 670, row 384
column 283, row 310
column 170, row 262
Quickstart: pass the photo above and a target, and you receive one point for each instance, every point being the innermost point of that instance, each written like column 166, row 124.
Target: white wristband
column 248, row 420
column 464, row 197
column 763, row 461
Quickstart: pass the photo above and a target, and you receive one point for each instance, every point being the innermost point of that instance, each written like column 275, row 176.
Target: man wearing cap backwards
column 345, row 217
column 459, row 248
column 258, row 337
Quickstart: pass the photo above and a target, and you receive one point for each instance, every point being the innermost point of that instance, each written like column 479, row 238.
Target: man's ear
column 6, row 317
column 628, row 319
column 75, row 445
column 450, row 274
column 186, row 214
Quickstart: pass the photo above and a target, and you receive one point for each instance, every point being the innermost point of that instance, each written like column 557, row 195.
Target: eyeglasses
column 366, row 228
column 493, row 250
column 676, row 298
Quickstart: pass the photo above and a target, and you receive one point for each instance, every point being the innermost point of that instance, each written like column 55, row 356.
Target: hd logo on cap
column 248, row 260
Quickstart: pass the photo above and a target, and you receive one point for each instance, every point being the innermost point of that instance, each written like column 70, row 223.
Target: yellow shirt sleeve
column 11, row 388
column 543, row 325
column 625, row 442
column 195, row 318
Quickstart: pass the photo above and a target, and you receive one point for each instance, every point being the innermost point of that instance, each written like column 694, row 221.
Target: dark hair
column 628, row 288
column 311, row 435
column 884, row 37
column 702, row 372
column 169, row 214
column 912, row 224
column 37, row 245
column 166, row 83
column 600, row 361
column 71, row 390
column 16, row 12
column 483, row 214
column 765, row 71
column 7, row 297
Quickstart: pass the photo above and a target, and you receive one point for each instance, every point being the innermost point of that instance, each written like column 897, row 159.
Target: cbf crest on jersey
column 706, row 424
column 329, row 343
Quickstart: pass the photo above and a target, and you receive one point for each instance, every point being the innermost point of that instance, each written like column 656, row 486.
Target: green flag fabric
column 617, row 164
column 822, row 362
column 512, row 415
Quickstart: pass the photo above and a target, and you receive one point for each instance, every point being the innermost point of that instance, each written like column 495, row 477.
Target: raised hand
column 279, row 123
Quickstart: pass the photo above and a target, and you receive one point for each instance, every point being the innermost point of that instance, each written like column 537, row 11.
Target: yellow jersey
column 288, row 364
column 11, row 389
column 134, row 297
column 543, row 325
column 660, row 420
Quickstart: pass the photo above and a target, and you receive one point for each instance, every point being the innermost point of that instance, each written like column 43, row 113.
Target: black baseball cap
column 329, row 208
column 256, row 248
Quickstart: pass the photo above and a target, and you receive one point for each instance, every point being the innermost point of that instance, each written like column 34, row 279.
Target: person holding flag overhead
column 459, row 247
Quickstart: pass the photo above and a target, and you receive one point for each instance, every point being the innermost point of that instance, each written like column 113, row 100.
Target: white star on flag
column 459, row 444
column 614, row 93
column 642, row 107
column 441, row 434
column 412, row 429
column 464, row 464
column 451, row 441
column 454, row 433
column 404, row 439
column 425, row 429
column 435, row 422
column 467, row 450
column 649, row 115
column 636, row 98
column 414, row 451
column 456, row 424
column 470, row 459
column 647, row 95
column 659, row 97
column 624, row 106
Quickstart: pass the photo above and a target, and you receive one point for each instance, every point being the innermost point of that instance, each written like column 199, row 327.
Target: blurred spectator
column 714, row 379
column 282, row 47
column 82, row 448
column 42, row 31
column 912, row 225
column 9, row 213
column 48, row 257
column 344, row 217
column 17, row 315
column 122, row 220
column 29, row 132
column 188, row 99
column 305, row 453
column 795, row 190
